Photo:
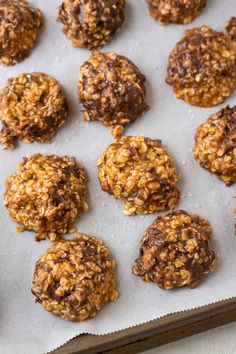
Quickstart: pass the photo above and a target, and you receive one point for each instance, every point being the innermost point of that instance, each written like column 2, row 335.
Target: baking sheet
column 24, row 326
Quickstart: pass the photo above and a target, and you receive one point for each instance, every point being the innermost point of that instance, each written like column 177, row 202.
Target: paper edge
column 143, row 322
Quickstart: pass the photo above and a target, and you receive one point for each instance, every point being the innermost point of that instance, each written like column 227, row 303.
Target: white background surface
column 148, row 44
column 220, row 340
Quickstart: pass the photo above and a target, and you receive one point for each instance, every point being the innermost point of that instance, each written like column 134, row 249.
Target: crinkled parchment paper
column 24, row 326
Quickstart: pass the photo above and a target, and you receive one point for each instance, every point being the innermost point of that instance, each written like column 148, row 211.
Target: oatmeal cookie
column 139, row 171
column 215, row 144
column 20, row 25
column 202, row 67
column 175, row 11
column 91, row 23
column 46, row 194
column 112, row 90
column 32, row 108
column 74, row 279
column 175, row 251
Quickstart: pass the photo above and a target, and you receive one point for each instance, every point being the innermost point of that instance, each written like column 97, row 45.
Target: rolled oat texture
column 91, row 23
column 46, row 195
column 175, row 11
column 20, row 25
column 32, row 108
column 231, row 27
column 74, row 279
column 112, row 91
column 175, row 251
column 202, row 67
column 139, row 171
column 215, row 144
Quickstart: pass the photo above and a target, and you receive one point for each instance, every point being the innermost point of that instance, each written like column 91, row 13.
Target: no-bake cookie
column 20, row 25
column 215, row 144
column 32, row 108
column 74, row 279
column 46, row 195
column 91, row 24
column 175, row 11
column 202, row 67
column 112, row 90
column 175, row 251
column 139, row 171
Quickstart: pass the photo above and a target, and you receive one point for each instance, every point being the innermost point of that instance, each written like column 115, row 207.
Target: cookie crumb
column 231, row 28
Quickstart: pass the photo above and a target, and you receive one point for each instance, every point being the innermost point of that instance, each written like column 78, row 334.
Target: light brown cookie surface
column 46, row 195
column 175, row 11
column 20, row 25
column 32, row 108
column 139, row 171
column 202, row 67
column 215, row 144
column 74, row 279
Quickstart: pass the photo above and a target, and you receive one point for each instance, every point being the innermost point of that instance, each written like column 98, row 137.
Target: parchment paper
column 24, row 326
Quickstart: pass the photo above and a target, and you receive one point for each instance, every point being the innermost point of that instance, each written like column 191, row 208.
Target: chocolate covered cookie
column 175, row 251
column 112, row 91
column 91, row 23
column 202, row 67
